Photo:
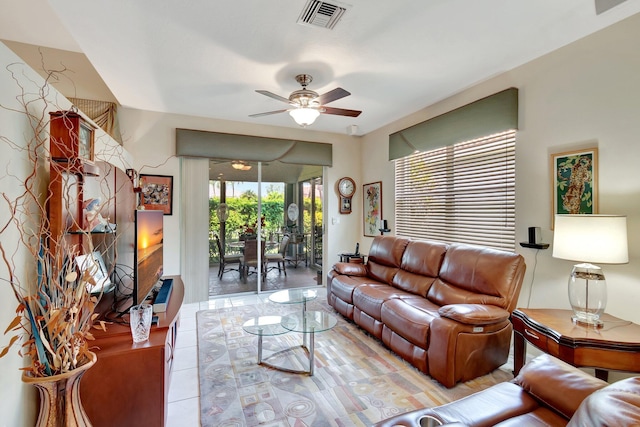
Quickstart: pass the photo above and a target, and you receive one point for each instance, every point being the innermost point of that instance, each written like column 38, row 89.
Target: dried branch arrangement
column 55, row 311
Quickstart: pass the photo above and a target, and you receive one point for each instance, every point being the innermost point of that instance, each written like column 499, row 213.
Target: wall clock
column 346, row 189
column 292, row 212
column 71, row 137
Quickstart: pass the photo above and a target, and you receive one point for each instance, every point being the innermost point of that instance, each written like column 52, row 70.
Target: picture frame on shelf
column 372, row 207
column 94, row 264
column 156, row 193
column 574, row 182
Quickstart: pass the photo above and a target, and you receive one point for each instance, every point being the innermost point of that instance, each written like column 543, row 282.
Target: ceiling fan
column 307, row 105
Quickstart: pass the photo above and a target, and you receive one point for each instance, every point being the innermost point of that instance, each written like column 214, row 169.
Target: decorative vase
column 60, row 404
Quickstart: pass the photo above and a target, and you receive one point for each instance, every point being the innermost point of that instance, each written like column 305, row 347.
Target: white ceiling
column 207, row 57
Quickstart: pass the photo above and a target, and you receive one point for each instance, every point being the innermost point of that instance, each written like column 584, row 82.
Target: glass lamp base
column 587, row 294
column 588, row 319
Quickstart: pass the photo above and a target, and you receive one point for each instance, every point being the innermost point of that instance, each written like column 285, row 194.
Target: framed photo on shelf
column 372, row 208
column 574, row 182
column 156, row 193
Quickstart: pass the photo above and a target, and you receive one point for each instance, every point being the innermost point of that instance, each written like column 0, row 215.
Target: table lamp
column 590, row 239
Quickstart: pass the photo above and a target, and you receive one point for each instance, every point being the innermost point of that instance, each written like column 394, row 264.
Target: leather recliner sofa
column 443, row 308
column 546, row 392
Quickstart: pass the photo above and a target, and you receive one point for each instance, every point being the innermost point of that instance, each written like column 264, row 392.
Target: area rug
column 356, row 380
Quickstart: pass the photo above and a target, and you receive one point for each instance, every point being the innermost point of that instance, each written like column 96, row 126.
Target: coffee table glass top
column 309, row 322
column 265, row 326
column 293, row 296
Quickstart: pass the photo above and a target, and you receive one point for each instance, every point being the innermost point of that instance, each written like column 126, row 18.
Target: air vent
column 321, row 14
column 604, row 5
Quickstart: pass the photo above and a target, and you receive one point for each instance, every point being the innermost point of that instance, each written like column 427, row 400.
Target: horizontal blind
column 462, row 193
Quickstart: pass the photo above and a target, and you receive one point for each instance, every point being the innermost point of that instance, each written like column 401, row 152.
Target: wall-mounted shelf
column 534, row 245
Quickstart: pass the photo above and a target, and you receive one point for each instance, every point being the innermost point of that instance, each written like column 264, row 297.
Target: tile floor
column 184, row 406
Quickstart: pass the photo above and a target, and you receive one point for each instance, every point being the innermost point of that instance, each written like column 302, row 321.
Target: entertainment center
column 92, row 205
column 129, row 384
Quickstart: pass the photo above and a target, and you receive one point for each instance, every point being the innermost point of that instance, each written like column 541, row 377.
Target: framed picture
column 157, row 193
column 372, row 194
column 93, row 264
column 574, row 182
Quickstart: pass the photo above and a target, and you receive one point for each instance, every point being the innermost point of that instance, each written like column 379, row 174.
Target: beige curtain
column 194, row 228
column 103, row 113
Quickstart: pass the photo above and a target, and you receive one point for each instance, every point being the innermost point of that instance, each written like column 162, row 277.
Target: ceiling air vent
column 321, row 14
column 604, row 5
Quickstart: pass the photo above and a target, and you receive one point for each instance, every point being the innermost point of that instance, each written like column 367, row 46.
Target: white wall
column 587, row 93
column 150, row 138
column 18, row 402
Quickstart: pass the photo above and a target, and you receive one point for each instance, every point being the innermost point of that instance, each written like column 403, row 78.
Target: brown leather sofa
column 443, row 308
column 547, row 392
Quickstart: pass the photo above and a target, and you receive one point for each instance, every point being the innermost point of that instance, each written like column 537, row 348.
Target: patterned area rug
column 356, row 380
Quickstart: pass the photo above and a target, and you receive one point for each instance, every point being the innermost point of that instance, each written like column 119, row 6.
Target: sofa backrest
column 478, row 275
column 617, row 404
column 385, row 257
column 420, row 265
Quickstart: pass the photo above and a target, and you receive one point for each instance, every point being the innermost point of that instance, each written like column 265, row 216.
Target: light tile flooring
column 184, row 405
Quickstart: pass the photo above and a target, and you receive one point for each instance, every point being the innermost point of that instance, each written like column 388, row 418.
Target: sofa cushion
column 410, row 318
column 617, row 404
column 385, row 257
column 387, row 250
column 343, row 286
column 478, row 275
column 369, row 297
column 542, row 417
column 488, row 407
column 420, row 264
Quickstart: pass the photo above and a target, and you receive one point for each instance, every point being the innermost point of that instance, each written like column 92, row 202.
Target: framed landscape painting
column 157, row 193
column 372, row 194
column 574, row 182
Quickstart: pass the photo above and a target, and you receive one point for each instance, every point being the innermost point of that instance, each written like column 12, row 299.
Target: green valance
column 493, row 114
column 226, row 146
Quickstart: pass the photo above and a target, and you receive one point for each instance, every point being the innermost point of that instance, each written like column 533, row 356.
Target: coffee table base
column 309, row 352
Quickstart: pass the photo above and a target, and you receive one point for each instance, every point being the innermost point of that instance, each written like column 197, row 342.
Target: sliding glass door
column 255, row 201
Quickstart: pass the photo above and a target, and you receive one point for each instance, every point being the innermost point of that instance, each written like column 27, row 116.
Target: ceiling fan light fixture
column 240, row 166
column 304, row 116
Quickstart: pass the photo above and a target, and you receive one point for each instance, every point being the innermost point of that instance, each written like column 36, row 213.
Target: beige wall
column 150, row 138
column 584, row 94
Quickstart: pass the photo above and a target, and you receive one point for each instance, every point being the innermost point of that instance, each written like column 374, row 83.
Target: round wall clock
column 292, row 212
column 346, row 190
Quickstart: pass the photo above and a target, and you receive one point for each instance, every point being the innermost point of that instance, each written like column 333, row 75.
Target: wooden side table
column 614, row 346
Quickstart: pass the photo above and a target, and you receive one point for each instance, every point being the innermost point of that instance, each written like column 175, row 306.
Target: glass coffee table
column 294, row 296
column 306, row 322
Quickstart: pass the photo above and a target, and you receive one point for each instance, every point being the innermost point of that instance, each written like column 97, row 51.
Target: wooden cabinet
column 71, row 151
column 129, row 384
column 71, row 137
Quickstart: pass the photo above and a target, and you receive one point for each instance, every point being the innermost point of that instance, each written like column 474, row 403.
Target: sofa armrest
column 474, row 314
column 557, row 384
column 350, row 269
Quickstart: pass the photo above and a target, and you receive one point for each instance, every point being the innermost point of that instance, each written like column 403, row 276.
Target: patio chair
column 227, row 259
column 250, row 258
column 279, row 258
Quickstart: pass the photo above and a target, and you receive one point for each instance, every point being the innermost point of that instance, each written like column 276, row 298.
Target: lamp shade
column 304, row 116
column 591, row 238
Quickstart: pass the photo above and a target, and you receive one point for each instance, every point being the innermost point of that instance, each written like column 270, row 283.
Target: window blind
column 462, row 193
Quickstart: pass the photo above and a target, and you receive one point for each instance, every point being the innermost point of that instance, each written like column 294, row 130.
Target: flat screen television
column 148, row 254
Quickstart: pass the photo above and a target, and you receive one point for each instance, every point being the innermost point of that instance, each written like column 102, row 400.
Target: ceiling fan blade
column 274, row 96
column 332, row 95
column 340, row 112
column 267, row 113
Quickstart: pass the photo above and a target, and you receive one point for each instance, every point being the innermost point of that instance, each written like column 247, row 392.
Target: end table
column 614, row 346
